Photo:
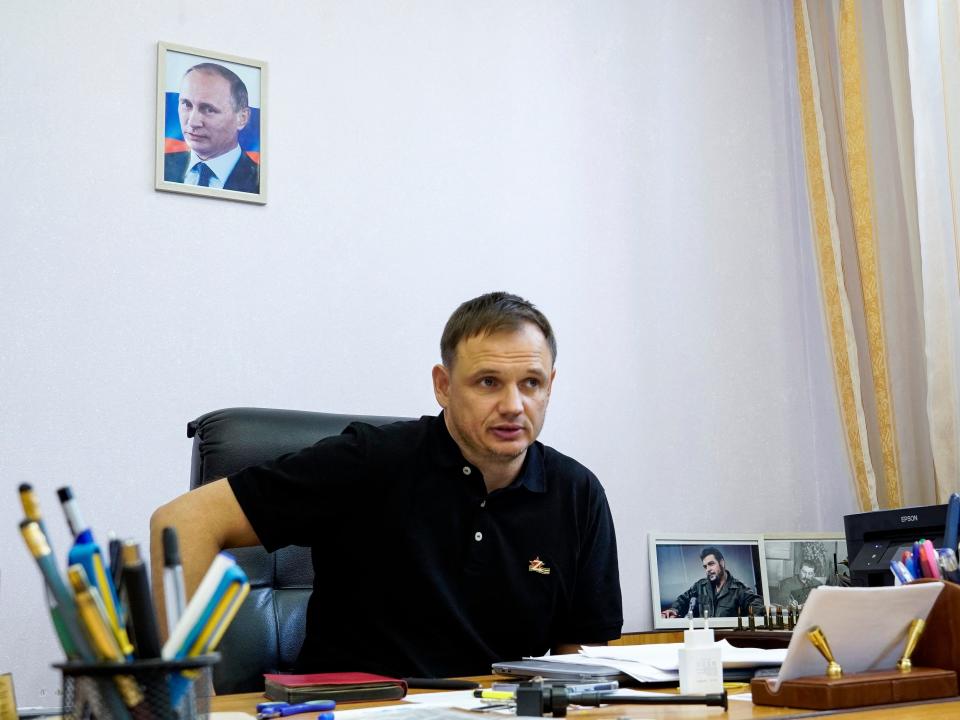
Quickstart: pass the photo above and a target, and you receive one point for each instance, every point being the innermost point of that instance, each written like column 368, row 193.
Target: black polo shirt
column 418, row 571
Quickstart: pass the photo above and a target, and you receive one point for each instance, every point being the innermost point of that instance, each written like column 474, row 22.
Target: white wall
column 633, row 168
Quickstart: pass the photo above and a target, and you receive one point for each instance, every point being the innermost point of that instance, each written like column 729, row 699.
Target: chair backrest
column 267, row 633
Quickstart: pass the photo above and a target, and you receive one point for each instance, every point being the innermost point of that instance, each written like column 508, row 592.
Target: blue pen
column 900, row 572
column 312, row 705
column 86, row 552
column 282, row 709
column 953, row 522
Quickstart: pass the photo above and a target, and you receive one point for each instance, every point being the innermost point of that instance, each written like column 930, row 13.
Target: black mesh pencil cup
column 141, row 690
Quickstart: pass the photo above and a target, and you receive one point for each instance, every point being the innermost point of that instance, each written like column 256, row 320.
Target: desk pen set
column 104, row 617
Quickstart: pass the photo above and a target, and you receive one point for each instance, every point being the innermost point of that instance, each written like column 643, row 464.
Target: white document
column 637, row 670
column 405, row 712
column 865, row 627
column 462, row 699
column 663, row 656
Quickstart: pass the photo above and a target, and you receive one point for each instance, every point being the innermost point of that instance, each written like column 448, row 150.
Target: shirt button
column 478, row 536
column 483, row 503
column 467, row 470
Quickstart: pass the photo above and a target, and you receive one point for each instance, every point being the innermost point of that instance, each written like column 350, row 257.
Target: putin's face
column 208, row 119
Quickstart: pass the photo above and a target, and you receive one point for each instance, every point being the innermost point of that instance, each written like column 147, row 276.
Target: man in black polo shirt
column 439, row 545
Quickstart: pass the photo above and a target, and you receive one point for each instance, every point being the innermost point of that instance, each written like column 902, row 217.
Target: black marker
column 142, row 618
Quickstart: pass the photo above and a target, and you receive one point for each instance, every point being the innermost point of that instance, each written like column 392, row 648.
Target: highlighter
column 87, row 553
column 931, row 559
column 202, row 610
column 206, row 618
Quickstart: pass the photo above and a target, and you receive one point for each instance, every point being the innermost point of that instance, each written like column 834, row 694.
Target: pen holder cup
column 154, row 689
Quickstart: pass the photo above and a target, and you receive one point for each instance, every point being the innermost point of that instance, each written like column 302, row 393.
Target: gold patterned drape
column 859, row 127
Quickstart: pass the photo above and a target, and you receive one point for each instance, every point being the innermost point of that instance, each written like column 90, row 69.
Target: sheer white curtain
column 933, row 42
column 879, row 98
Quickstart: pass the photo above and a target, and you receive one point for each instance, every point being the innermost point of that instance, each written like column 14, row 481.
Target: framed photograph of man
column 211, row 124
column 796, row 564
column 698, row 574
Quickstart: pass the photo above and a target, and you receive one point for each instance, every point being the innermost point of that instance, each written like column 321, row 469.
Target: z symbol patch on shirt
column 537, row 566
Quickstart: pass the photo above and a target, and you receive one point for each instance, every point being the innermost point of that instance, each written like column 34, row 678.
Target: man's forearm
column 207, row 520
column 197, row 550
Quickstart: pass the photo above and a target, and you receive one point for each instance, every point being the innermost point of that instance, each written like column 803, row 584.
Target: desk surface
column 738, row 710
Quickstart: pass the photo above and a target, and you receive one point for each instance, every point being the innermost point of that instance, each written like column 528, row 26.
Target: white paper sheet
column 637, row 670
column 462, row 699
column 664, row 656
column 404, row 711
column 865, row 627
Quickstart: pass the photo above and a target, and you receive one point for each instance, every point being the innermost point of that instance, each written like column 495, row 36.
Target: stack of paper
column 660, row 663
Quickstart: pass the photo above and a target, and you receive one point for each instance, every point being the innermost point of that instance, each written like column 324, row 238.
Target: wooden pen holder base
column 939, row 647
column 882, row 687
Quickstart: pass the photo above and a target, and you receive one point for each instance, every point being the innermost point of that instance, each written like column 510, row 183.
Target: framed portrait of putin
column 211, row 124
column 719, row 577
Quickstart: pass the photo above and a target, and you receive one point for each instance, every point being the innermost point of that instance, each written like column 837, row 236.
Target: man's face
column 495, row 395
column 207, row 118
column 713, row 568
column 806, row 574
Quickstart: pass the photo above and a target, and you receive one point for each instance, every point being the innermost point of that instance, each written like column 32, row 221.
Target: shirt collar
column 222, row 165
column 532, row 474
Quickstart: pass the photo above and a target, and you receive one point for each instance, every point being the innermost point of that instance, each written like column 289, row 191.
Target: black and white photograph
column 797, row 564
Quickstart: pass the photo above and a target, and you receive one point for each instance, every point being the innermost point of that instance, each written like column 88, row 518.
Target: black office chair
column 267, row 633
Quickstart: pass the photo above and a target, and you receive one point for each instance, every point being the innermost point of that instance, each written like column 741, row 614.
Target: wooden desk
column 738, row 710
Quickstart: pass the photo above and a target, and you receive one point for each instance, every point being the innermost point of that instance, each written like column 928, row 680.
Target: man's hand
column 668, row 613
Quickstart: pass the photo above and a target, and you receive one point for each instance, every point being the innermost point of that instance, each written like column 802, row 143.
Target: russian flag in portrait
column 173, row 136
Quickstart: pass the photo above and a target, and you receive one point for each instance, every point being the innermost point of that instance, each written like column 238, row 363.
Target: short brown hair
column 490, row 313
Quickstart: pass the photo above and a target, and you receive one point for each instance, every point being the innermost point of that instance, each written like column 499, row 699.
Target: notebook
column 342, row 687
